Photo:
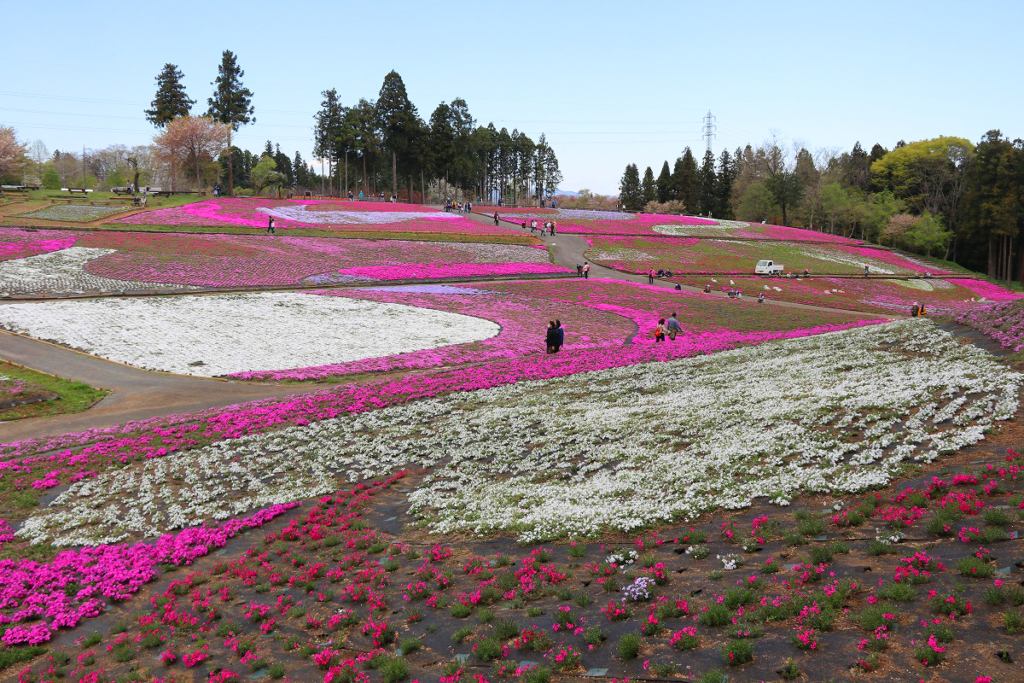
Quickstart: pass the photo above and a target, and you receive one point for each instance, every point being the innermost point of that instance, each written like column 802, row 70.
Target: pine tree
column 231, row 103
column 664, row 184
column 399, row 123
column 648, row 187
column 723, row 186
column 631, row 195
column 685, row 180
column 170, row 102
column 707, row 184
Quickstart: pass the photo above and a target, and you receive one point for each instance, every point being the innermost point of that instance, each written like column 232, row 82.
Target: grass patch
column 15, row 655
column 74, row 397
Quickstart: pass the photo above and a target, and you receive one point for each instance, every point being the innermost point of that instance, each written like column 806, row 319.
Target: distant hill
column 566, row 193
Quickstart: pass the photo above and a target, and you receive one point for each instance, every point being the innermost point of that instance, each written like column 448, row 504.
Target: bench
column 121, row 190
column 74, row 191
column 121, row 199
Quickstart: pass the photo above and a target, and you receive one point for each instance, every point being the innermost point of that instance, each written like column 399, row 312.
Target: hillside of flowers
column 1003, row 322
column 595, row 314
column 687, row 255
column 649, row 224
column 875, row 295
column 331, row 215
column 347, row 587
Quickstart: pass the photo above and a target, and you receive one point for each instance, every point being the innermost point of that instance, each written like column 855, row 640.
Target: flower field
column 74, row 213
column 595, row 314
column 710, row 256
column 333, row 215
column 1003, row 322
column 218, row 335
column 888, row 296
column 117, row 261
column 649, row 224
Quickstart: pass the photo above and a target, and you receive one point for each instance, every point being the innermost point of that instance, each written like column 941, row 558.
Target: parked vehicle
column 768, row 267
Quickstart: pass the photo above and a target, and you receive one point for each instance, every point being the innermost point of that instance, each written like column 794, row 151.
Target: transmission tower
column 709, row 129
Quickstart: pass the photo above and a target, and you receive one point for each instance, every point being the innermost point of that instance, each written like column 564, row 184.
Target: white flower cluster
column 596, row 452
column 302, row 214
column 63, row 272
column 621, row 559
column 225, row 333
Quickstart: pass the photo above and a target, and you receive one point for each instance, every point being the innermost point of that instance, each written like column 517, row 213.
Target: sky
column 610, row 83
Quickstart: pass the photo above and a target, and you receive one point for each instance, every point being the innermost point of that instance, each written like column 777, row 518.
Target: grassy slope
column 74, row 396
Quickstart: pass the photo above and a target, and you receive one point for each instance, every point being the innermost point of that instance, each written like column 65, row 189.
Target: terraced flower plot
column 112, row 262
column 595, row 314
column 74, row 213
column 650, row 224
column 895, row 296
column 695, row 255
column 379, row 219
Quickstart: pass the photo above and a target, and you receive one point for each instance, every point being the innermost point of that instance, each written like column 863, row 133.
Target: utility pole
column 83, row 168
column 709, row 129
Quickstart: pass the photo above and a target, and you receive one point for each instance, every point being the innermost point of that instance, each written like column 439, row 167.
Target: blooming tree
column 12, row 152
column 191, row 140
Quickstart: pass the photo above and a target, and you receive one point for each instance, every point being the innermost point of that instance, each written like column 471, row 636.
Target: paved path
column 135, row 394
column 139, row 394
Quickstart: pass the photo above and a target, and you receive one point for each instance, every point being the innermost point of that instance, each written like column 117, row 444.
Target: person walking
column 867, row 270
column 659, row 331
column 551, row 337
column 270, row 226
column 496, row 218
column 586, row 270
column 579, row 270
column 552, row 228
column 760, row 298
column 672, row 327
column 650, row 276
column 707, row 289
column 559, row 335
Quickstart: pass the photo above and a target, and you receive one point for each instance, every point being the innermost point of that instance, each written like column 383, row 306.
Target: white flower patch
column 682, row 230
column 63, row 272
column 221, row 334
column 622, row 449
column 302, row 214
column 922, row 285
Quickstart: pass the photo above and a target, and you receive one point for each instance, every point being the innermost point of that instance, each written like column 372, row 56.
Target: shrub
column 876, row 547
column 1013, row 621
column 790, row 671
column 900, row 592
column 996, row 517
column 488, row 649
column 394, row 669
column 460, row 611
column 663, row 669
column 975, row 568
column 462, row 634
column 738, row 652
column 577, row 551
column 94, row 638
column 12, row 656
column 716, row 615
column 409, row 645
column 812, row 526
column 715, row 676
column 878, row 615
column 505, row 629
column 276, row 670
column 629, row 647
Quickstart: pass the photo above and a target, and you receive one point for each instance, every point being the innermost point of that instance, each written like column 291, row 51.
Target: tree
column 685, row 180
column 170, row 102
column 231, row 103
column 631, row 195
column 927, row 234
column 265, row 174
column 706, row 185
column 398, row 122
column 835, row 205
column 51, row 179
column 993, row 204
column 757, row 203
column 928, row 174
column 12, row 152
column 786, row 190
column 192, row 140
column 664, row 184
column 648, row 188
column 723, row 186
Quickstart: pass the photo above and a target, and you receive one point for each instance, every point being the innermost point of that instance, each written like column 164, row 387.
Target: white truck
column 768, row 267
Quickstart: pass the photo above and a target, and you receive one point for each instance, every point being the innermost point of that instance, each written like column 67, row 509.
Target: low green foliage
column 628, row 647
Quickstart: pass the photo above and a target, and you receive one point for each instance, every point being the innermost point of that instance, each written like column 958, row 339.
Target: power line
column 709, row 129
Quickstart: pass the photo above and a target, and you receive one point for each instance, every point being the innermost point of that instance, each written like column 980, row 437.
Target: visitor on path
column 559, row 335
column 707, row 289
column 760, row 298
column 807, row 273
column 579, row 270
column 145, row 198
column 552, row 228
column 672, row 327
column 915, row 310
column 350, row 195
column 270, row 226
column 586, row 270
column 136, row 200
column 659, row 331
column 867, row 270
column 533, row 225
column 550, row 337
column 524, row 225
column 650, row 276
column 496, row 219
column 216, row 191
column 679, row 287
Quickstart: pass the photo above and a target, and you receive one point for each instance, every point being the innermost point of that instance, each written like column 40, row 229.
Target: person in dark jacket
column 551, row 338
column 559, row 336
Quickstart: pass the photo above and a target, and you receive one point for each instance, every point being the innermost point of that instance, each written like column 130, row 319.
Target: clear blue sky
column 610, row 83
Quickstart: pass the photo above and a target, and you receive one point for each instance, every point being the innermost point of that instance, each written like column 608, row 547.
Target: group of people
column 667, row 328
column 548, row 228
column 555, row 336
column 583, row 270
column 917, row 310
column 458, row 207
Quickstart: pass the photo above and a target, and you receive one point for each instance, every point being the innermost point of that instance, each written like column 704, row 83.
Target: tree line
column 944, row 197
column 385, row 143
